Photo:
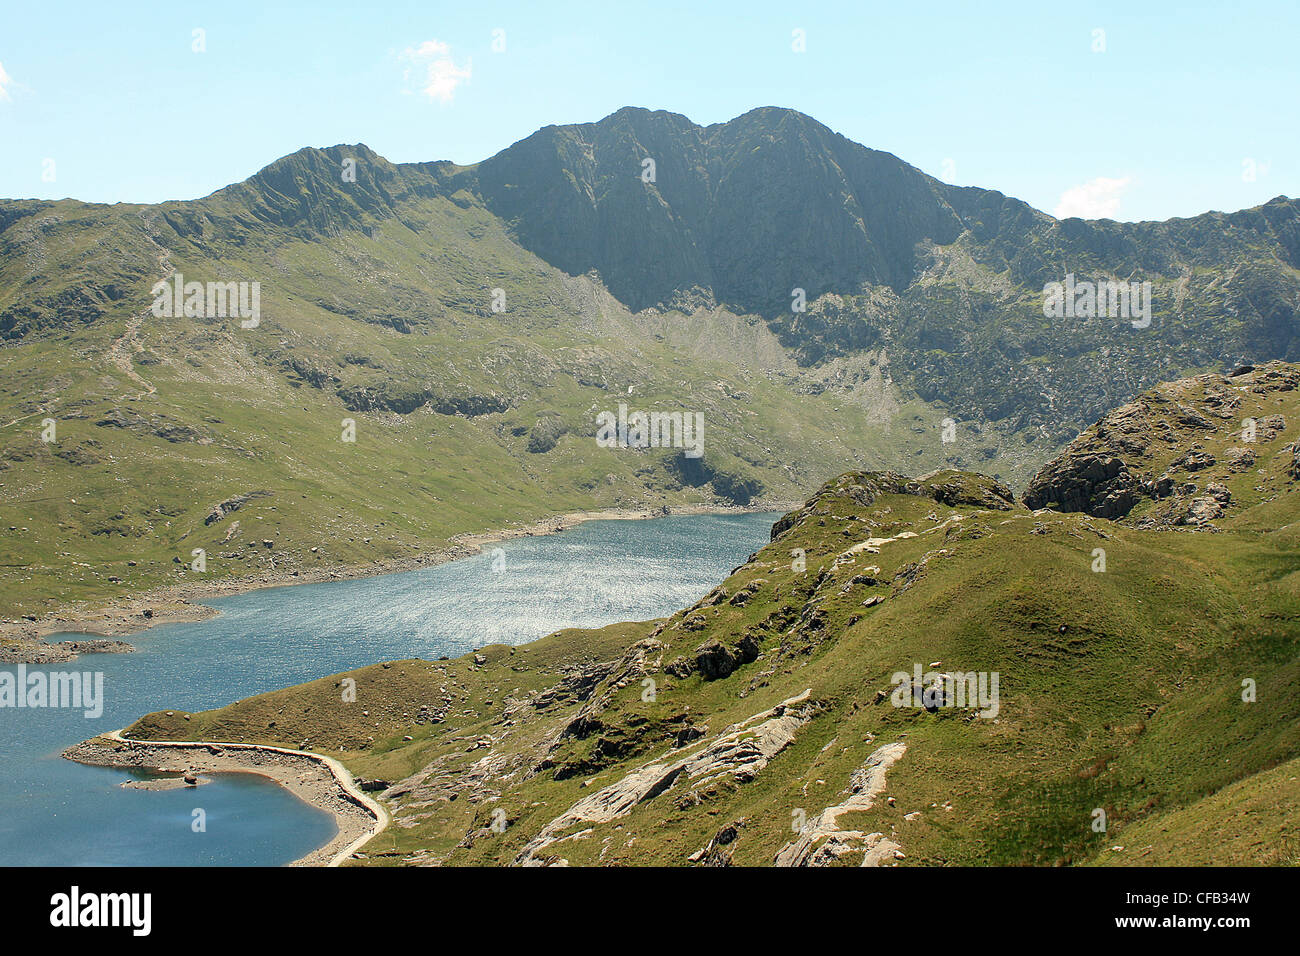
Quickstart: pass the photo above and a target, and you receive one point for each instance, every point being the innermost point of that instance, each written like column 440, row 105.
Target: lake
column 57, row 813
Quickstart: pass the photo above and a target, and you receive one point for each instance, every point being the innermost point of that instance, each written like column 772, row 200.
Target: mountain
column 745, row 210
column 473, row 322
column 948, row 280
column 1138, row 677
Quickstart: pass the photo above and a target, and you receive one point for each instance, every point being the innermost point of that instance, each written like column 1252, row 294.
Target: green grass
column 1135, row 708
column 262, row 409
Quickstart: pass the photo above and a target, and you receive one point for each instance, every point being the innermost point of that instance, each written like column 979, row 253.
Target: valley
column 435, row 341
column 1031, row 598
column 1138, row 700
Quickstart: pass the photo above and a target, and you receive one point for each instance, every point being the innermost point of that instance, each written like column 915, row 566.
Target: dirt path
column 315, row 779
column 124, row 348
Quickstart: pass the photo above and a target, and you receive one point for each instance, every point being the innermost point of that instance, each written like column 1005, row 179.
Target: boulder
column 715, row 660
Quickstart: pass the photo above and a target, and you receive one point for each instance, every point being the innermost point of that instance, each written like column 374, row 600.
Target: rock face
column 740, row 753
column 739, row 214
column 1098, row 485
column 816, row 210
column 1093, row 474
column 1177, row 446
column 822, row 842
column 716, row 660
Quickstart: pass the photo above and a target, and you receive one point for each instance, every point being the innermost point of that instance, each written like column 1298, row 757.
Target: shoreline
column 182, row 603
column 319, row 781
column 323, row 783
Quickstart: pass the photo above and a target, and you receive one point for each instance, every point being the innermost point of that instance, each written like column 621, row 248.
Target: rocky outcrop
column 403, row 399
column 1202, row 510
column 1169, row 443
column 862, row 489
column 32, row 651
column 1099, row 485
column 221, row 511
column 717, row 852
column 715, row 660
column 639, row 660
column 740, row 753
column 822, row 842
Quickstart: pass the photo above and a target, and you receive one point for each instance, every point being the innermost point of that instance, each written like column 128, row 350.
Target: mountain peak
column 320, row 190
column 773, row 116
column 654, row 203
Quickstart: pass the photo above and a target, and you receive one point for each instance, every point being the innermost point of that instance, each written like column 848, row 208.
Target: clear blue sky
column 1009, row 96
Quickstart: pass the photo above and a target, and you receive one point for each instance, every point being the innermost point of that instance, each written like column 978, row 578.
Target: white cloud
column 5, row 83
column 1096, row 199
column 433, row 71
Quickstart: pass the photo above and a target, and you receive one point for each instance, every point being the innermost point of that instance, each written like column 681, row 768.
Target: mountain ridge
column 479, row 317
column 366, row 150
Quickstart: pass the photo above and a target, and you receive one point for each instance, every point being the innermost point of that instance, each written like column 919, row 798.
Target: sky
column 1130, row 111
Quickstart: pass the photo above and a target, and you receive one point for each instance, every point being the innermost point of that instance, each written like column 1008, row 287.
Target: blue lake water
column 55, row 812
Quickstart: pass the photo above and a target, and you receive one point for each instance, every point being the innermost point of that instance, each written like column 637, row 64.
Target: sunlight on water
column 56, row 812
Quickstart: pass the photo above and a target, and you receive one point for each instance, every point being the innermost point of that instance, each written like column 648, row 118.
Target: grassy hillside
column 466, row 420
column 712, row 736
column 472, row 322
